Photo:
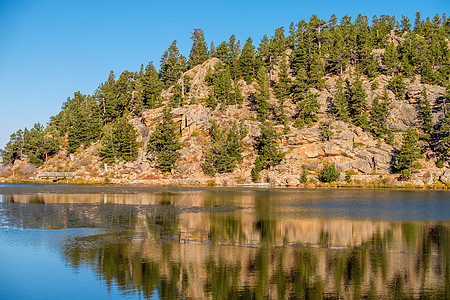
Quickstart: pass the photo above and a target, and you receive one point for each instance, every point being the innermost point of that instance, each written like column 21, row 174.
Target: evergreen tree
column 397, row 86
column 268, row 152
column 152, row 87
column 106, row 96
column 246, row 62
column 425, row 114
column 379, row 114
column 225, row 151
column 80, row 119
column 341, row 109
column 163, row 143
column 329, row 173
column 14, row 149
column 119, row 141
column 222, row 87
column 315, row 72
column 307, row 110
column 199, row 50
column 358, row 104
column 390, row 59
column 262, row 104
column 300, row 86
column 443, row 133
column 282, row 88
column 177, row 97
column 173, row 64
column 38, row 145
column 405, row 161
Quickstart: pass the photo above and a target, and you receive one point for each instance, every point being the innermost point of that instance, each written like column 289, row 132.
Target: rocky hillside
column 349, row 147
column 370, row 102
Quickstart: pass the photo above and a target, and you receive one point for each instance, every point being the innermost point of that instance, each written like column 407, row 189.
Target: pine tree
column 163, row 143
column 38, row 145
column 409, row 153
column 152, row 87
column 425, row 114
column 199, row 50
column 267, row 148
column 358, row 104
column 390, row 59
column 300, row 86
column 106, row 96
column 225, row 151
column 397, row 86
column 81, row 120
column 246, row 62
column 119, row 142
column 262, row 104
column 173, row 64
column 307, row 110
column 341, row 109
column 379, row 114
column 14, row 149
column 282, row 88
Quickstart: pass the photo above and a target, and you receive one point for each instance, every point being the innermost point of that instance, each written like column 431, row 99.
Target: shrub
column 329, row 173
column 348, row 176
column 304, row 177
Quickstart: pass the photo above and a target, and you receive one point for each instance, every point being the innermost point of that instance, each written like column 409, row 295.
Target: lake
column 124, row 242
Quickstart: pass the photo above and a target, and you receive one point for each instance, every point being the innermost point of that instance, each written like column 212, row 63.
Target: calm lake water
column 104, row 242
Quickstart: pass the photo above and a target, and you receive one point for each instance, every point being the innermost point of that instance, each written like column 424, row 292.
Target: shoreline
column 48, row 186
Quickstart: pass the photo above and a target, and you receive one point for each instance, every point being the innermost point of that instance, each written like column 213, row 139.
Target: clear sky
column 50, row 49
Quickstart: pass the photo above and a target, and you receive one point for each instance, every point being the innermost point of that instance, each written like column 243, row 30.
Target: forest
column 302, row 56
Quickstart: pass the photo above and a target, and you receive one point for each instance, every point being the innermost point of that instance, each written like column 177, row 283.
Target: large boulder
column 445, row 177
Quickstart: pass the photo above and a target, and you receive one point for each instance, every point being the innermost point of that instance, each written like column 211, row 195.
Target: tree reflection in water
column 246, row 245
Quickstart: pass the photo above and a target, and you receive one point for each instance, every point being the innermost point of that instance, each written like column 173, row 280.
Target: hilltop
column 351, row 102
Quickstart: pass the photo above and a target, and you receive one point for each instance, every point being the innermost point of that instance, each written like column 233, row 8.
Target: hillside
column 349, row 102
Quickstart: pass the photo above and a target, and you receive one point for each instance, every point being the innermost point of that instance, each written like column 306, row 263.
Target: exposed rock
column 362, row 166
column 445, row 177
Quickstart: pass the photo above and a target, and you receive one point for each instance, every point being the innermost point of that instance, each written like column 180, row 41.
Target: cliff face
column 349, row 147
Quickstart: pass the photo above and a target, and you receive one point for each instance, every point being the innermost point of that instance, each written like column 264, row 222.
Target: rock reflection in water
column 209, row 245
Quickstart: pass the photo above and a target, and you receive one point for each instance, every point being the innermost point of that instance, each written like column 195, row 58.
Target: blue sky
column 50, row 49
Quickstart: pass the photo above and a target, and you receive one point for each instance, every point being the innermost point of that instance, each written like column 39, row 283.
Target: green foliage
column 390, row 59
column 282, row 88
column 119, row 142
column 348, row 176
column 39, row 144
column 307, row 110
column 358, row 104
column 152, row 87
column 425, row 114
column 173, row 64
column 268, row 152
column 328, row 173
column 14, row 149
column 325, row 131
column 405, row 161
column 397, row 86
column 246, row 62
column 199, row 50
column 225, row 151
column 80, row 119
column 261, row 102
column 379, row 114
column 341, row 109
column 163, row 143
column 304, row 177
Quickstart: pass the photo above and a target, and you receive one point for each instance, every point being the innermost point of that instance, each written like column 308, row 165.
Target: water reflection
column 242, row 245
